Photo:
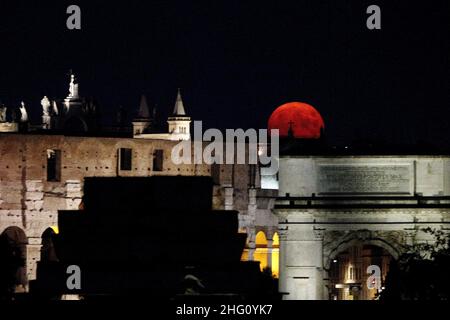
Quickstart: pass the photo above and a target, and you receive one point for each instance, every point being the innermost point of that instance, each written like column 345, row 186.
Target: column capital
column 318, row 233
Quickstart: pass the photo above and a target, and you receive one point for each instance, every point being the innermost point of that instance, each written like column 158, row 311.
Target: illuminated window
column 261, row 251
column 261, row 240
column 125, row 156
column 53, row 165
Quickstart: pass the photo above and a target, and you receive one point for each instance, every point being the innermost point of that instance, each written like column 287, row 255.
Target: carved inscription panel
column 370, row 179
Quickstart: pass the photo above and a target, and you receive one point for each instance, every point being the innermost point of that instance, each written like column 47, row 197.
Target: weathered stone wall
column 30, row 202
column 24, row 188
column 312, row 236
column 372, row 175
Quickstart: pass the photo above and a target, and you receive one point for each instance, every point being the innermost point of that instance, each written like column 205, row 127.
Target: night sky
column 236, row 61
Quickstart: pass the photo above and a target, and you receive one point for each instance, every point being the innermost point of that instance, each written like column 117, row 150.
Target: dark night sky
column 238, row 60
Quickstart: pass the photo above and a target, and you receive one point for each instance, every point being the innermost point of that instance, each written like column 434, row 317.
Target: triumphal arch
column 340, row 214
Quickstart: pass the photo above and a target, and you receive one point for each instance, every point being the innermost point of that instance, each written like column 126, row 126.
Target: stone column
column 251, row 252
column 34, row 195
column 252, row 201
column 282, row 279
column 74, row 193
column 269, row 253
column 410, row 236
column 322, row 275
column 33, row 255
column 229, row 201
column 251, row 215
column 251, row 244
column 301, row 263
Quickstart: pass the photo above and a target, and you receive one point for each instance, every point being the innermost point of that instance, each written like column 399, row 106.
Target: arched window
column 261, row 240
column 261, row 251
column 348, row 270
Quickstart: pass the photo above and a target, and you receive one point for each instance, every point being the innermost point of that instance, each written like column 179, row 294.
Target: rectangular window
column 53, row 165
column 125, row 156
column 215, row 173
column 158, row 159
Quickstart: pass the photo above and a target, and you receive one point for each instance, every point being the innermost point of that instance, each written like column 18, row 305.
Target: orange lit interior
column 262, row 250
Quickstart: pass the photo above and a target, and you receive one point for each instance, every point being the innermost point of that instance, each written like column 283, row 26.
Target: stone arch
column 368, row 238
column 13, row 242
column 15, row 233
column 251, row 234
column 270, row 233
column 261, row 238
column 261, row 249
column 48, row 252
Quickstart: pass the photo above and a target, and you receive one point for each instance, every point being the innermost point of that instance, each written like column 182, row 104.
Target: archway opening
column 13, row 273
column 349, row 277
column 267, row 255
column 48, row 253
column 261, row 251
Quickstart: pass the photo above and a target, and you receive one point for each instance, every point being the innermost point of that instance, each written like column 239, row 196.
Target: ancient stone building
column 335, row 215
column 41, row 174
column 340, row 214
column 42, row 171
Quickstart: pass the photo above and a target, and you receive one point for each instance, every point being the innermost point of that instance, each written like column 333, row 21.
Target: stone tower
column 179, row 122
column 143, row 122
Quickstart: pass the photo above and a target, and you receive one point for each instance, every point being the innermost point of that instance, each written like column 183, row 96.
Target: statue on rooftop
column 73, row 86
column 23, row 112
column 45, row 106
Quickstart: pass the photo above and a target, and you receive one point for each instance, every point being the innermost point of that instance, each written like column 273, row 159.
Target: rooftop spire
column 179, row 108
column 143, row 112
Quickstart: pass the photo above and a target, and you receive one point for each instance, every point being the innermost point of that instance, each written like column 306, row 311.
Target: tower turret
column 143, row 122
column 179, row 122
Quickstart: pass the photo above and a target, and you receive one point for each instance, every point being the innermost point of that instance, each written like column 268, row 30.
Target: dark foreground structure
column 150, row 237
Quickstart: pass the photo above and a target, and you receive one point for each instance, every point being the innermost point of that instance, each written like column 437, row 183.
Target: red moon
column 306, row 121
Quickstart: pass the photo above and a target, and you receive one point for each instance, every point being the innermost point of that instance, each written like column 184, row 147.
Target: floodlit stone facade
column 43, row 166
column 41, row 174
column 329, row 205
